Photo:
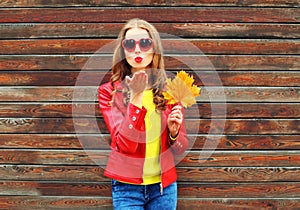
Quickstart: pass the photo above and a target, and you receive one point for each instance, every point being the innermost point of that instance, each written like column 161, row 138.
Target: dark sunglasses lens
column 129, row 44
column 145, row 44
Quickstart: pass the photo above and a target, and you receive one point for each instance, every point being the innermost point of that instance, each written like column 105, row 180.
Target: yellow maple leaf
column 181, row 90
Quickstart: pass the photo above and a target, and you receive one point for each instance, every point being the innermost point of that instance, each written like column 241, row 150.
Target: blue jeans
column 137, row 197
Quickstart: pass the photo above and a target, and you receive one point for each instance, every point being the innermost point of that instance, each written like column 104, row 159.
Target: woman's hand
column 137, row 84
column 175, row 120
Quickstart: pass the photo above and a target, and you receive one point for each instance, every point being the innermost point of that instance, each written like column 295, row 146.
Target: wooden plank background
column 254, row 47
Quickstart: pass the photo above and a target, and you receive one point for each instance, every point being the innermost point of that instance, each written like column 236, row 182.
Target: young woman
column 146, row 132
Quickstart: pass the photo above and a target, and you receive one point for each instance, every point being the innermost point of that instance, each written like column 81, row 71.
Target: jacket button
column 137, row 111
column 130, row 126
column 133, row 118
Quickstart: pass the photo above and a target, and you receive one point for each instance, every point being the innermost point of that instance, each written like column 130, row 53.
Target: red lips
column 138, row 59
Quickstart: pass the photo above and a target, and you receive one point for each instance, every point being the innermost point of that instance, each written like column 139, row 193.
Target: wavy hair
column 121, row 68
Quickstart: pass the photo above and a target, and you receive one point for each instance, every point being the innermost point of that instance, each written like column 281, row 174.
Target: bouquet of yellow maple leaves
column 181, row 90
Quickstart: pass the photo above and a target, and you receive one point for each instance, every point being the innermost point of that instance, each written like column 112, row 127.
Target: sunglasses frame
column 137, row 42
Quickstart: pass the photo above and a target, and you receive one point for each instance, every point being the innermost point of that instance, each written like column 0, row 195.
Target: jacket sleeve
column 126, row 128
column 179, row 145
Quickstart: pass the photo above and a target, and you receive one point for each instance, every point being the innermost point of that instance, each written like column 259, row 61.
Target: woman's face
column 138, row 48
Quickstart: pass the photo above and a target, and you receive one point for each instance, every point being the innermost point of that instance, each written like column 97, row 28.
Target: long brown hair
column 121, row 68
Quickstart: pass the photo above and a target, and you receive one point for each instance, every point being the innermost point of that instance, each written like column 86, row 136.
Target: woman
column 146, row 132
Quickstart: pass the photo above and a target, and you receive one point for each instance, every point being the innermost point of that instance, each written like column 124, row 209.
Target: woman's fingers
column 128, row 80
column 138, row 82
column 175, row 120
column 176, row 115
column 177, row 107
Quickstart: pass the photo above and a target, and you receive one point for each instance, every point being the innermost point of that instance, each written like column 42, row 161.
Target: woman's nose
column 137, row 48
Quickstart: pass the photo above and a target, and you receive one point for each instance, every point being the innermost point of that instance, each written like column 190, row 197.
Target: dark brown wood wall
column 255, row 49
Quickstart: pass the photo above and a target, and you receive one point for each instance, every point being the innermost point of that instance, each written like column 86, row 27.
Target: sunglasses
column 145, row 44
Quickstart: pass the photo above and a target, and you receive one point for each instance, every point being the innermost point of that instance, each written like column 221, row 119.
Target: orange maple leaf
column 181, row 90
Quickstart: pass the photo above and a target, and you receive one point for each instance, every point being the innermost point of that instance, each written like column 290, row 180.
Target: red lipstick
column 138, row 59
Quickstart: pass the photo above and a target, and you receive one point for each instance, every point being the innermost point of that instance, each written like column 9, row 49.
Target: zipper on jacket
column 160, row 184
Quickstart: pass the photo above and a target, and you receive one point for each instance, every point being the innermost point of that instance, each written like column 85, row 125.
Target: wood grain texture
column 56, row 202
column 194, row 126
column 246, row 142
column 233, row 204
column 170, row 46
column 96, row 141
column 236, row 158
column 202, row 78
column 54, row 141
column 183, row 30
column 35, row 188
column 202, row 110
column 185, row 174
column 186, row 190
column 97, row 202
column 88, row 3
column 90, row 141
column 176, row 62
column 237, row 174
column 201, row 158
column 208, row 94
column 244, row 132
column 53, row 173
column 216, row 190
column 151, row 14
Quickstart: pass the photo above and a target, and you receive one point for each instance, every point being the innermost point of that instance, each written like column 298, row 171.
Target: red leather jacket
column 127, row 129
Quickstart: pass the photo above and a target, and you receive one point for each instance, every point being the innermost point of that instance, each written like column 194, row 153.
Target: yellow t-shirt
column 152, row 168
